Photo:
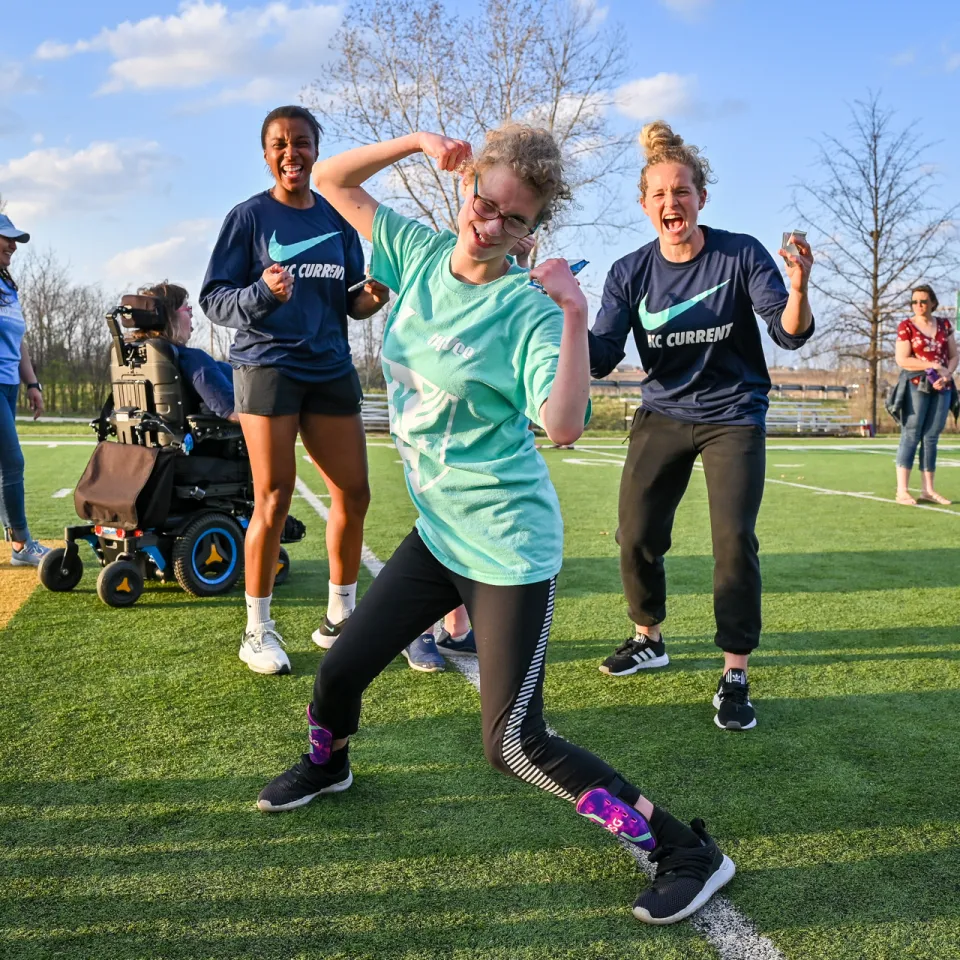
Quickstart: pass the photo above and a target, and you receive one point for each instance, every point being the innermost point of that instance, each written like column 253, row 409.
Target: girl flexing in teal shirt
column 471, row 355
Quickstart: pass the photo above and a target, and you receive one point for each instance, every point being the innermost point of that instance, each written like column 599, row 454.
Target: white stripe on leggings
column 513, row 754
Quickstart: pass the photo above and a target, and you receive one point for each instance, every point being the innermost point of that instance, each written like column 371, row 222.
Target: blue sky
column 129, row 129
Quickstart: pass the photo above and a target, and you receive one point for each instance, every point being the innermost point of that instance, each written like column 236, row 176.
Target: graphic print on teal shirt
column 467, row 368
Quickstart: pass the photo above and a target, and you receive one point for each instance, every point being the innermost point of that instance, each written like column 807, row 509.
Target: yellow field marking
column 16, row 584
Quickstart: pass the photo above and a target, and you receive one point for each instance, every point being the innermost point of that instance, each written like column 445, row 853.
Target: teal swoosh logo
column 653, row 321
column 280, row 252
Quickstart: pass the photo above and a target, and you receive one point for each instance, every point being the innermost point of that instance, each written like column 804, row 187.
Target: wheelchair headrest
column 138, row 312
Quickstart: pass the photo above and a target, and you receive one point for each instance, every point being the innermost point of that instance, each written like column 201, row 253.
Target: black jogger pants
column 659, row 462
column 511, row 625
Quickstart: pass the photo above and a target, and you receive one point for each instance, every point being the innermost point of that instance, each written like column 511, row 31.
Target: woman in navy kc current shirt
column 690, row 298
column 280, row 275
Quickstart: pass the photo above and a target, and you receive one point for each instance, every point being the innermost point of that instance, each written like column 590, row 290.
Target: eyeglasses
column 512, row 226
column 919, row 301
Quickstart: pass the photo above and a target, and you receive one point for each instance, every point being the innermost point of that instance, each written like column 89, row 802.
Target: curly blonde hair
column 533, row 155
column 661, row 145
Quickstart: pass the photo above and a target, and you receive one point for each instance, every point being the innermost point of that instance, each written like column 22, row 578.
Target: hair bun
column 657, row 137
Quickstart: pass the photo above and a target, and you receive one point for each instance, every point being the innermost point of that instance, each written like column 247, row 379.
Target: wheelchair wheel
column 120, row 584
column 208, row 555
column 59, row 574
column 283, row 568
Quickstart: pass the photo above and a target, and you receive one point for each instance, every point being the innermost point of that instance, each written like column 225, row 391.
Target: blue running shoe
column 465, row 645
column 29, row 555
column 423, row 655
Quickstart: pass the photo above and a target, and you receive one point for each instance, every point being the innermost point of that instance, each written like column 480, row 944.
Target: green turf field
column 133, row 744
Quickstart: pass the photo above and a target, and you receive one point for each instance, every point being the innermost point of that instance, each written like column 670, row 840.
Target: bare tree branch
column 415, row 65
column 879, row 231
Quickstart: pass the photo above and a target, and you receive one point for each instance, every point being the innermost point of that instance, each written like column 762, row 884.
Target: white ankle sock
column 341, row 600
column 258, row 610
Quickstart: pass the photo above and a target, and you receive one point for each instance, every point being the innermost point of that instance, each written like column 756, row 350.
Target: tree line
column 870, row 203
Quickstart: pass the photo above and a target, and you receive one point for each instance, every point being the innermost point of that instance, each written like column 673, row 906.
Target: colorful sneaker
column 29, row 555
column 686, row 878
column 637, row 653
column 617, row 816
column 732, row 702
column 326, row 634
column 262, row 650
column 422, row 655
column 466, row 644
column 299, row 785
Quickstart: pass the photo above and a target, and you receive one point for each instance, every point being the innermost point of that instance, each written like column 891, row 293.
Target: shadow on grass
column 827, row 572
column 803, row 648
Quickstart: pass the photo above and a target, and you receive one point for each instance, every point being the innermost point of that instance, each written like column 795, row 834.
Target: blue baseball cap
column 8, row 230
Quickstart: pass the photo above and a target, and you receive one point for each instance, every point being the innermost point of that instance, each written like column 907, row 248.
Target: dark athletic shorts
column 266, row 392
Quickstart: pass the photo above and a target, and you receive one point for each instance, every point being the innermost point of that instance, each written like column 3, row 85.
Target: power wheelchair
column 170, row 496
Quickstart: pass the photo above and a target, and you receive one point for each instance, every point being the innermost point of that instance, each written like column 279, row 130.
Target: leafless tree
column 415, row 65
column 66, row 333
column 878, row 229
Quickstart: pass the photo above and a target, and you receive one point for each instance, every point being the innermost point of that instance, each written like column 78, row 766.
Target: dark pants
column 12, row 514
column 659, row 463
column 511, row 626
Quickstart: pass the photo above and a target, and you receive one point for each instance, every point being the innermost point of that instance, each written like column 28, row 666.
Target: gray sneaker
column 30, row 556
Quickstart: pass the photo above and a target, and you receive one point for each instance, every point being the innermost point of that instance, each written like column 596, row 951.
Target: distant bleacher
column 820, row 411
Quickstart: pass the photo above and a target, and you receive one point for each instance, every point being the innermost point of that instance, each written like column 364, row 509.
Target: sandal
column 934, row 498
column 906, row 499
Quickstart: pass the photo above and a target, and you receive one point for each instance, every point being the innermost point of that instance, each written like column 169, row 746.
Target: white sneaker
column 262, row 650
column 30, row 556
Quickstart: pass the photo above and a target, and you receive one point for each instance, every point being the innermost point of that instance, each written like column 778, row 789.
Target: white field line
column 787, row 483
column 60, row 494
column 368, row 557
column 730, row 933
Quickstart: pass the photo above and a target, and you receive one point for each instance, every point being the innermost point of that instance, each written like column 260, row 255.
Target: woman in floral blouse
column 928, row 346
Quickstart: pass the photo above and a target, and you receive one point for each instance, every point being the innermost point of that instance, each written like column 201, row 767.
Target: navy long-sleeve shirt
column 306, row 337
column 211, row 379
column 695, row 328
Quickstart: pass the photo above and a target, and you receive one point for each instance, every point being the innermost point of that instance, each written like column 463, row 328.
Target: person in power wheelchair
column 167, row 493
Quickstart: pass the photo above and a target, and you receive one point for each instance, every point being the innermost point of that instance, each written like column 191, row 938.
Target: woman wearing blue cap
column 15, row 366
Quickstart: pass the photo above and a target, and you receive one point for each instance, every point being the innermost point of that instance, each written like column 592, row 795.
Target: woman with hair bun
column 689, row 297
column 926, row 352
column 472, row 354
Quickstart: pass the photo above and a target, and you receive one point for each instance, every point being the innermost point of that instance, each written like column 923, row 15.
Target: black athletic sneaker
column 687, row 877
column 732, row 702
column 326, row 634
column 305, row 780
column 637, row 653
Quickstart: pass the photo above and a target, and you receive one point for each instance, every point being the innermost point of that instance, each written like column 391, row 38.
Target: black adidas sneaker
column 687, row 875
column 732, row 702
column 637, row 653
column 305, row 780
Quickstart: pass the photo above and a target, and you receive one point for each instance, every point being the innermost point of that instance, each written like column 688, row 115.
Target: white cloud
column 688, row 9
column 251, row 52
column 669, row 96
column 953, row 62
column 904, row 58
column 14, row 83
column 650, row 98
column 55, row 177
column 181, row 257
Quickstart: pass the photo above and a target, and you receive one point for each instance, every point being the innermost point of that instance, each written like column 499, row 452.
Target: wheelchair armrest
column 205, row 426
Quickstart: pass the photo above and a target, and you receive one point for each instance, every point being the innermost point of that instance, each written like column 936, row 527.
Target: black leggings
column 511, row 626
column 659, row 463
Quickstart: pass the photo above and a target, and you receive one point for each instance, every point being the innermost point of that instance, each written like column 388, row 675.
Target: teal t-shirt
column 467, row 368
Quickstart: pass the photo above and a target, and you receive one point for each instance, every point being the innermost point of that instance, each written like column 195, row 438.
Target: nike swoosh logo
column 653, row 321
column 280, row 252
